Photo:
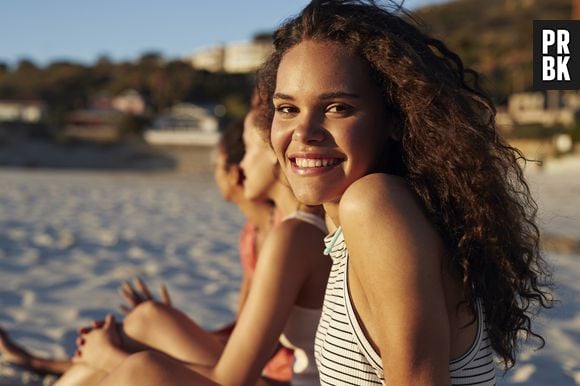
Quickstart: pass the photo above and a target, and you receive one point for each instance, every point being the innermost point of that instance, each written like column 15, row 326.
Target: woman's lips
column 313, row 165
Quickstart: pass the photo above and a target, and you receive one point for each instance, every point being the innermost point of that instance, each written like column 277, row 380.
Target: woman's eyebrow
column 280, row 95
column 339, row 94
column 328, row 95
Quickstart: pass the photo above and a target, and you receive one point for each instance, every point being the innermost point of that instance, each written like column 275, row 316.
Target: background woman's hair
column 231, row 143
column 468, row 179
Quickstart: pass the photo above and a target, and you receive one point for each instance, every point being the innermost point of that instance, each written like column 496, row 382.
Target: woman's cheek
column 277, row 138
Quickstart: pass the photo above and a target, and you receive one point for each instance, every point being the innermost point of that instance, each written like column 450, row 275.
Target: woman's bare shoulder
column 376, row 195
column 380, row 213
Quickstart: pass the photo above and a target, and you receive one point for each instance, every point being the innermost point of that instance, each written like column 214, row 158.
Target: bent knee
column 141, row 318
column 144, row 359
column 149, row 368
column 138, row 367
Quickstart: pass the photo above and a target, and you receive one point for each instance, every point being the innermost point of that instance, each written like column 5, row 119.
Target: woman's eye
column 339, row 109
column 285, row 109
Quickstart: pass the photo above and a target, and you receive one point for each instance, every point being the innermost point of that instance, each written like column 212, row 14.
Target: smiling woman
column 326, row 110
column 436, row 262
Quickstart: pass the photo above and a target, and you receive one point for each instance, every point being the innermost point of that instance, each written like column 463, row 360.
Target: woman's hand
column 96, row 324
column 100, row 348
column 138, row 293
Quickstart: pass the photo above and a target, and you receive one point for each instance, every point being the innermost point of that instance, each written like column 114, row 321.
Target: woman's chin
column 309, row 198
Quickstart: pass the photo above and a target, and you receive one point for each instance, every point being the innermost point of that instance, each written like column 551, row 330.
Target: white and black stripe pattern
column 344, row 356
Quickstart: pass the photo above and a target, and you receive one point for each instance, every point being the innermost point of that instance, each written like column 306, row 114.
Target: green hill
column 493, row 37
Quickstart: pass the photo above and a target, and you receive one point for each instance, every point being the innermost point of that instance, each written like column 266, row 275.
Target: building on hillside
column 551, row 108
column 210, row 59
column 234, row 58
column 22, row 111
column 245, row 57
column 129, row 102
column 101, row 126
column 100, row 101
column 184, row 124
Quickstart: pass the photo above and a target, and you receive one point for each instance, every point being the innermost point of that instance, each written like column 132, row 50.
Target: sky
column 82, row 30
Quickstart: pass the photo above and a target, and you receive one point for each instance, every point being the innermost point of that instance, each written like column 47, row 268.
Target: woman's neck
column 331, row 209
column 259, row 214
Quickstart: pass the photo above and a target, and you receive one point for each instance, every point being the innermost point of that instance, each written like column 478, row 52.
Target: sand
column 69, row 238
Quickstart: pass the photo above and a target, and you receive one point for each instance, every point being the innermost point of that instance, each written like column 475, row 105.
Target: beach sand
column 69, row 238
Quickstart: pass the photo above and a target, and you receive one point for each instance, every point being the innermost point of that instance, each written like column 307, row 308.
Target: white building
column 184, row 124
column 210, row 59
column 27, row 111
column 548, row 109
column 237, row 57
column 129, row 102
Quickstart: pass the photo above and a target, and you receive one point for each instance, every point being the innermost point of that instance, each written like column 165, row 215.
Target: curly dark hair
column 468, row 179
column 231, row 143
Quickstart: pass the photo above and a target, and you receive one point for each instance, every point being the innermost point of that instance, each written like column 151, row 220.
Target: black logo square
column 556, row 54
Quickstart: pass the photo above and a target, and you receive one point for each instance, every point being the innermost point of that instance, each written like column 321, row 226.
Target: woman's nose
column 309, row 130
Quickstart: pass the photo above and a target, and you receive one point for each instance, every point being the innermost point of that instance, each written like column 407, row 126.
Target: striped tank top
column 344, row 355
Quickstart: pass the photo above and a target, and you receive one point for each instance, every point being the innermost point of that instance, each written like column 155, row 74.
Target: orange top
column 248, row 252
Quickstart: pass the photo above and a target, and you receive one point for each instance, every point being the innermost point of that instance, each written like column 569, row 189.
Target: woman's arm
column 244, row 291
column 395, row 279
column 286, row 260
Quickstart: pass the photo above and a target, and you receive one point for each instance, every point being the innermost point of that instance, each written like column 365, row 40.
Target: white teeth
column 314, row 163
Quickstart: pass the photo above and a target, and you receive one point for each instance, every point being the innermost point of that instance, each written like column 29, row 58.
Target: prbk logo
column 557, row 54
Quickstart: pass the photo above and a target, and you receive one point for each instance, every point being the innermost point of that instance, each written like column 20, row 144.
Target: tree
column 26, row 65
column 151, row 59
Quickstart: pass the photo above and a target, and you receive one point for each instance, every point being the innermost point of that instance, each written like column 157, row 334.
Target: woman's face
column 329, row 125
column 259, row 162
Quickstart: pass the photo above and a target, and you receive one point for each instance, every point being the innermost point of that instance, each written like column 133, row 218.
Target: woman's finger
column 145, row 293
column 109, row 322
column 129, row 293
column 128, row 297
column 165, row 298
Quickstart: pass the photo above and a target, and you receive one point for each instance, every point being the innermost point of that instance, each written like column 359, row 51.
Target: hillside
column 493, row 37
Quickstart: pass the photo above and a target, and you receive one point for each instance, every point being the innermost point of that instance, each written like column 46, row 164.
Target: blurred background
column 109, row 116
column 109, row 78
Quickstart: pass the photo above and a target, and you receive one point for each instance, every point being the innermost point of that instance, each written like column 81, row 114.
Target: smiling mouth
column 314, row 163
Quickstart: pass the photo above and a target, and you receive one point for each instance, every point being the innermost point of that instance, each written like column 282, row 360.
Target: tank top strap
column 310, row 218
